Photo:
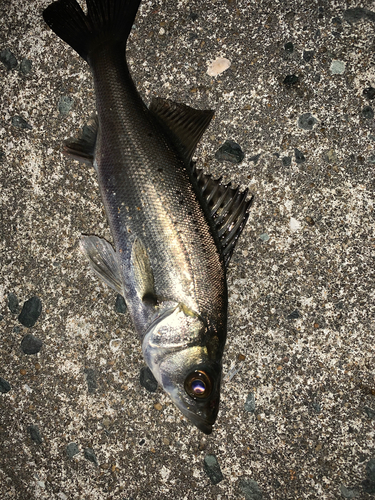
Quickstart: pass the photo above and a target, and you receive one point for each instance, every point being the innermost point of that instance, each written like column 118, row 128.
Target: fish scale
column 146, row 183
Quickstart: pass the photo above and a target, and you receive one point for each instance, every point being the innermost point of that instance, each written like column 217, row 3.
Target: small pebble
column 106, row 422
column 202, row 444
column 368, row 113
column 307, row 121
column 19, row 122
column 337, row 67
column 299, row 156
column 289, row 47
column 90, row 455
column 13, row 303
column 72, row 449
column 25, row 66
column 218, row 66
column 354, row 15
column 23, row 372
column 4, row 386
column 310, row 221
column 31, row 311
column 120, row 305
column 158, row 406
column 294, row 224
column 115, row 344
column 330, row 156
column 348, row 493
column 308, row 55
column 65, row 105
column 250, row 489
column 230, row 151
column 369, row 93
column 294, row 315
column 212, row 469
column 286, row 161
column 255, row 158
column 147, row 379
column 250, row 405
column 369, row 412
column 91, row 376
column 290, row 80
column 264, row 237
column 34, row 432
column 317, row 407
column 31, row 344
column 8, row 59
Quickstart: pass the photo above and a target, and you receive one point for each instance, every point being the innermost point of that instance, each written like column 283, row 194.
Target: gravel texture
column 297, row 419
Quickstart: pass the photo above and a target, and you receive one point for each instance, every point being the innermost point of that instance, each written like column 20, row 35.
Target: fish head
column 175, row 350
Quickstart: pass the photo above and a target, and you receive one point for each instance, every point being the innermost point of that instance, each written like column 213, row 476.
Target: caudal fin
column 107, row 21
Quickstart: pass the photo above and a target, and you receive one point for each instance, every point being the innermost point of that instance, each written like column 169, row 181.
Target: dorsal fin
column 185, row 124
column 229, row 209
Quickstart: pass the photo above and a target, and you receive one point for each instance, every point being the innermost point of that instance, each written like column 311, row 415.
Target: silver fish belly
column 173, row 227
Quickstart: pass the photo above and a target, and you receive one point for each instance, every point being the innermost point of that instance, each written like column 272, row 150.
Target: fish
column 174, row 227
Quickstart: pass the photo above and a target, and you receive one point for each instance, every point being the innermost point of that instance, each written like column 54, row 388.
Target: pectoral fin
column 83, row 147
column 144, row 278
column 103, row 261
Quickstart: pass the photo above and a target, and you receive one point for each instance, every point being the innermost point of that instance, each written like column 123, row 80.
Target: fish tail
column 106, row 21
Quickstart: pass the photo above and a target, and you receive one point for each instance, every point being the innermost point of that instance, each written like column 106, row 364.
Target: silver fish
column 173, row 227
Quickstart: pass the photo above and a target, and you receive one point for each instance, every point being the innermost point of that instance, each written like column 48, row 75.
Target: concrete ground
column 297, row 420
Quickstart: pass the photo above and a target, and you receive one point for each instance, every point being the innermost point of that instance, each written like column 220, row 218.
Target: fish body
column 173, row 227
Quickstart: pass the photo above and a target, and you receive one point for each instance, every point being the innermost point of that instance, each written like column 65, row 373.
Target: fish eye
column 198, row 385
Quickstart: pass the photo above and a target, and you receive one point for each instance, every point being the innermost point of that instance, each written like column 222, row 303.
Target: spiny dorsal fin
column 229, row 209
column 186, row 124
column 83, row 148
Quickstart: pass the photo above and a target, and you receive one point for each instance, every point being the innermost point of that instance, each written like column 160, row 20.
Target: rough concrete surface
column 297, row 420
